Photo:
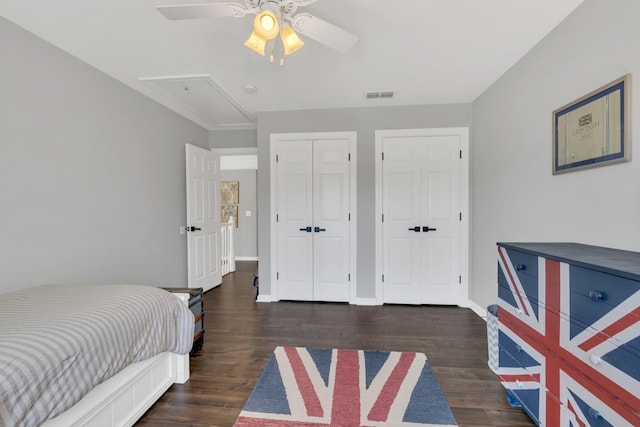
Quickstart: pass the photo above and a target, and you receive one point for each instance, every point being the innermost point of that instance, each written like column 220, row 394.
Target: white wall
column 514, row 195
column 365, row 121
column 92, row 173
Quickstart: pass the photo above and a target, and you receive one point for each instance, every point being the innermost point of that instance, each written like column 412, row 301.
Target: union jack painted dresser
column 569, row 332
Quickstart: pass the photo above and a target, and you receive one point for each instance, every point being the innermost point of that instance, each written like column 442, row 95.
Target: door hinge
column 460, row 216
column 276, row 158
column 460, row 153
column 460, row 279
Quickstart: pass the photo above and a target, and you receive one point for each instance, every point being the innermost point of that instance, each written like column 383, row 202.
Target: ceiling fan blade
column 203, row 10
column 323, row 32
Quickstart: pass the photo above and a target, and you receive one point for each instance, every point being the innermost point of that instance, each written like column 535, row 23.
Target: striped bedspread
column 57, row 342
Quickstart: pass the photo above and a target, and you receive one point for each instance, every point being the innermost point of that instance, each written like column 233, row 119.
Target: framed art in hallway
column 229, row 192
column 594, row 130
column 228, row 211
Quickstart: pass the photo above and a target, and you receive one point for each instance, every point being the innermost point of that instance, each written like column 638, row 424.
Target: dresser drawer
column 511, row 354
column 615, row 360
column 579, row 413
column 595, row 295
column 522, row 384
column 582, row 408
column 522, row 266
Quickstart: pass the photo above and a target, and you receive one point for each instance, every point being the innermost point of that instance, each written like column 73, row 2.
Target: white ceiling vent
column 378, row 95
column 201, row 99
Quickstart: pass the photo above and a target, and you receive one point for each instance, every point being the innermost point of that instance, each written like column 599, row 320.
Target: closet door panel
column 295, row 214
column 331, row 219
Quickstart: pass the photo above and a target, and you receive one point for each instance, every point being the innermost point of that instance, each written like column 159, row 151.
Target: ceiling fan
column 273, row 18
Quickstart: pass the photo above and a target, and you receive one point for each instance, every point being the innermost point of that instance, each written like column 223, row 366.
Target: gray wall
column 246, row 235
column 233, row 138
column 514, row 196
column 92, row 173
column 365, row 121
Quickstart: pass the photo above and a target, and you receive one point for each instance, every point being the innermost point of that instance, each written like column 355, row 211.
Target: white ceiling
column 426, row 51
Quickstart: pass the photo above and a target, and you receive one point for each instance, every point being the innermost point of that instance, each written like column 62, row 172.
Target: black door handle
column 427, row 229
column 318, row 229
column 194, row 228
column 307, row 229
column 416, row 229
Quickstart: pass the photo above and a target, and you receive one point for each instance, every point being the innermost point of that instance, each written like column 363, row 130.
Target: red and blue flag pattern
column 538, row 328
column 306, row 387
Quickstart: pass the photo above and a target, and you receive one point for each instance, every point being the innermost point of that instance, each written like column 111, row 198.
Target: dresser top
column 608, row 260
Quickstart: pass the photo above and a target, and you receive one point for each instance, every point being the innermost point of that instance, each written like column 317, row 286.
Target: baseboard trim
column 264, row 298
column 478, row 310
column 366, row 301
column 246, row 258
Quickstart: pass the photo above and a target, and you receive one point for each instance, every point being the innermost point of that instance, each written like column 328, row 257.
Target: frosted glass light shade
column 256, row 43
column 266, row 25
column 290, row 41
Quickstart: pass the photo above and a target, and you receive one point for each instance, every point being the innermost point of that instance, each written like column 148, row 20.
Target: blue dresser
column 569, row 332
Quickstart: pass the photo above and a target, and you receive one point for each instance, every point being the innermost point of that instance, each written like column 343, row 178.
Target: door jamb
column 463, row 133
column 274, row 138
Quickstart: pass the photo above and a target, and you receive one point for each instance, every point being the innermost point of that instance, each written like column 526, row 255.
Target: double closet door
column 421, row 204
column 313, row 219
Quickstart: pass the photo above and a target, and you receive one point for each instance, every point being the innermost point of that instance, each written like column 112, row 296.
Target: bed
column 89, row 354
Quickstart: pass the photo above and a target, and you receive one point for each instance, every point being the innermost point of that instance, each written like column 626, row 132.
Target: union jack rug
column 306, row 387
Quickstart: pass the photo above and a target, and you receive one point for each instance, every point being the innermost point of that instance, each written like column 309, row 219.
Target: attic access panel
column 203, row 98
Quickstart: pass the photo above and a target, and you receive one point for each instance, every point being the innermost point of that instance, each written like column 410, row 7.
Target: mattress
column 57, row 342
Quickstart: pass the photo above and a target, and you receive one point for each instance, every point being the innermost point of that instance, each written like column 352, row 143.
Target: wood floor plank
column 240, row 336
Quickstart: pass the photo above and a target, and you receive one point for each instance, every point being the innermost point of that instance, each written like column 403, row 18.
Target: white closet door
column 295, row 217
column 402, row 207
column 441, row 210
column 313, row 220
column 331, row 220
column 421, row 232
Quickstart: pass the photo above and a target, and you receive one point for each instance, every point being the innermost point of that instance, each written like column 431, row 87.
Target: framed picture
column 594, row 130
column 229, row 192
column 228, row 211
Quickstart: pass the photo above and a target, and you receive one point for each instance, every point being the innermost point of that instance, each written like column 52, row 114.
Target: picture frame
column 229, row 192
column 228, row 211
column 594, row 130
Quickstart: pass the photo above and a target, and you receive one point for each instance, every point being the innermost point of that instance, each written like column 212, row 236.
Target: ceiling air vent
column 377, row 95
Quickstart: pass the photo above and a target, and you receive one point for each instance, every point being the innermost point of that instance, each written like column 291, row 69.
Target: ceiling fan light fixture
column 256, row 43
column 290, row 40
column 266, row 25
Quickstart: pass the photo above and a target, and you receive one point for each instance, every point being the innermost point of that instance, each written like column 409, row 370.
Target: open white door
column 203, row 218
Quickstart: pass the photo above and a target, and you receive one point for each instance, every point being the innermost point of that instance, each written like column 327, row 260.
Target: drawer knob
column 597, row 295
column 521, row 267
column 595, row 360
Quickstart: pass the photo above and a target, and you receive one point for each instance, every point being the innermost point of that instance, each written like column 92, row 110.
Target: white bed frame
column 125, row 397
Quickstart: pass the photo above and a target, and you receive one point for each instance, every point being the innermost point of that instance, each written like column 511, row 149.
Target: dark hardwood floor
column 241, row 335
